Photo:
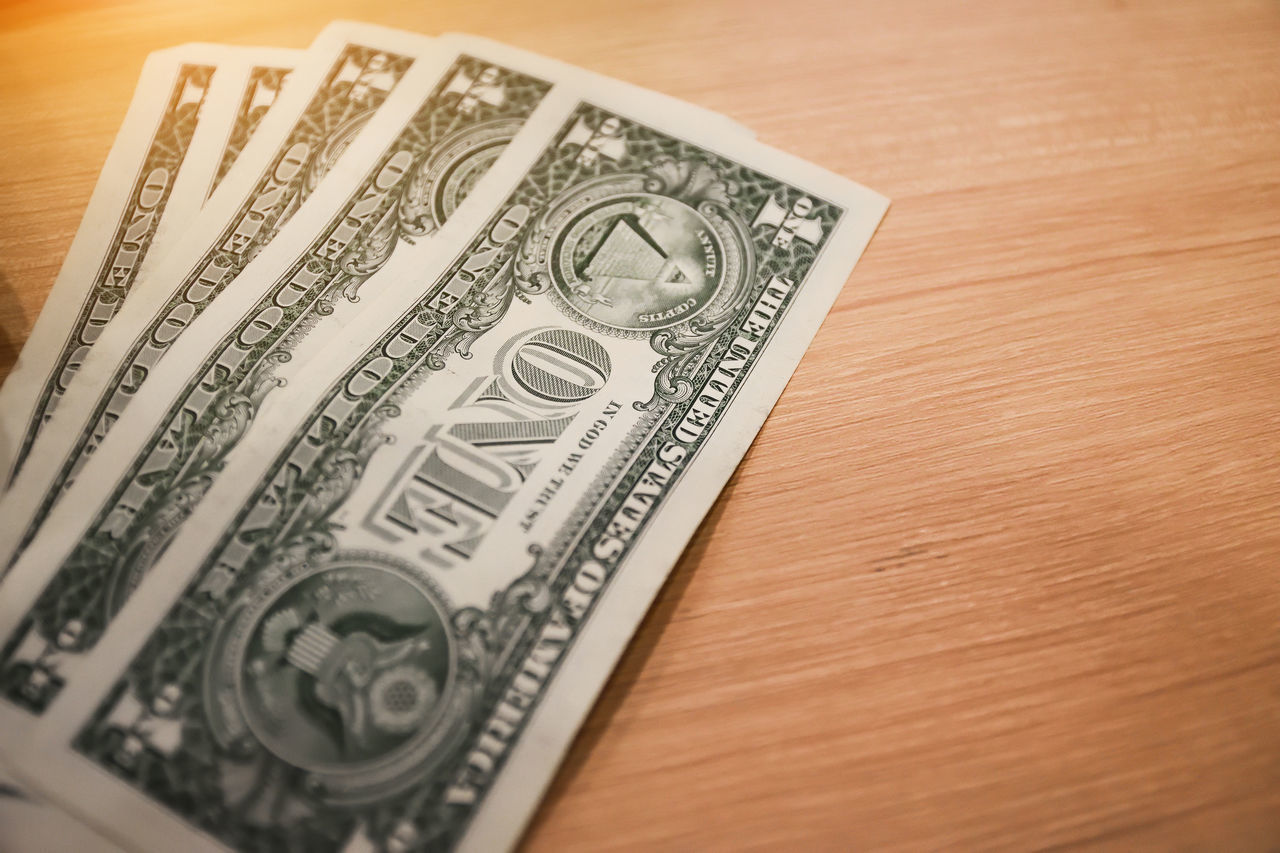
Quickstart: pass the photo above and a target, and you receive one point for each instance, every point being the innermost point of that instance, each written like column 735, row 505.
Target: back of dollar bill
column 386, row 620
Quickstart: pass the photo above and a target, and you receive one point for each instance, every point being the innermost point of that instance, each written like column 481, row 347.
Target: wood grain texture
column 1003, row 568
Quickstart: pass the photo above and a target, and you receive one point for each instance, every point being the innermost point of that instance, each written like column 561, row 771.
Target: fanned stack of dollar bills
column 379, row 391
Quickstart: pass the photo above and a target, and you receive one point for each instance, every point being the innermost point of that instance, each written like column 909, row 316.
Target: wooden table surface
column 1003, row 568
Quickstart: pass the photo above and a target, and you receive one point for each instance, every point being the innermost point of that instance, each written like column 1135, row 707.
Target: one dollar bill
column 384, row 624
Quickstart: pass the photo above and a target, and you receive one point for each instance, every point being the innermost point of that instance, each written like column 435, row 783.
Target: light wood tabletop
column 1003, row 568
